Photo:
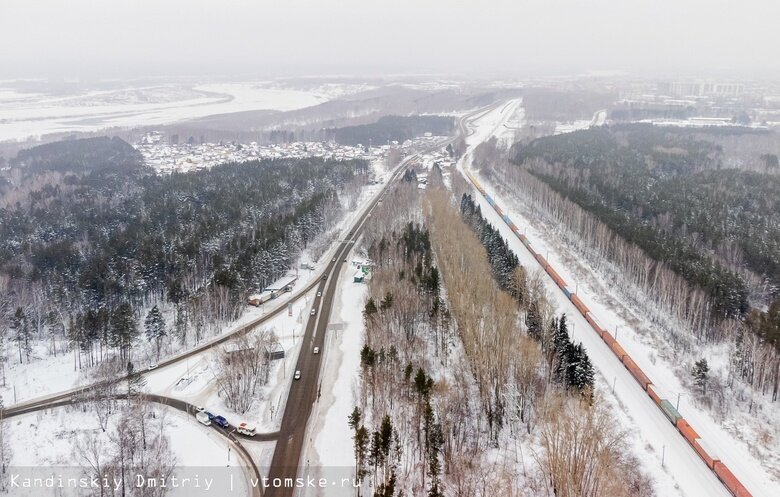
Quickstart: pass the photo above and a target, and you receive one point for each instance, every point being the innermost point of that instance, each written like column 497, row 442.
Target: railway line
column 707, row 454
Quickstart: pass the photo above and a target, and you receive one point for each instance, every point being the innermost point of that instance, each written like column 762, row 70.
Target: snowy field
column 47, row 444
column 655, row 438
column 24, row 115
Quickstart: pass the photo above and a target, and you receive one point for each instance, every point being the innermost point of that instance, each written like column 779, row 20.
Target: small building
column 275, row 352
column 282, row 285
column 358, row 277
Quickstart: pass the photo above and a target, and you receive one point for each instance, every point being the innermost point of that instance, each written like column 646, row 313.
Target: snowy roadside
column 328, row 431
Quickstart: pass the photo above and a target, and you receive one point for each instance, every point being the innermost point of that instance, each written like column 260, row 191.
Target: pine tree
column 123, row 329
column 22, row 331
column 154, row 325
column 360, row 445
column 354, row 418
column 534, row 322
column 370, row 308
column 700, row 374
column 561, row 349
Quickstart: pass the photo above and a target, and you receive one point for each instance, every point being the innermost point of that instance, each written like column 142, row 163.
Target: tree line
column 86, row 256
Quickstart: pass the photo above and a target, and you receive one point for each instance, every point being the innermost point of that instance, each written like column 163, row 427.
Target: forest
column 462, row 377
column 83, row 255
column 393, row 128
column 667, row 192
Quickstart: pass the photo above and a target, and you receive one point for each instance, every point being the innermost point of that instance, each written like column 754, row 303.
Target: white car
column 319, row 294
column 316, row 350
column 297, row 375
column 203, row 418
column 334, row 259
column 247, row 429
column 152, row 366
column 313, row 312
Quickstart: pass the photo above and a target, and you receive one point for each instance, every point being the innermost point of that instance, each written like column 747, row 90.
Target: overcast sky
column 134, row 38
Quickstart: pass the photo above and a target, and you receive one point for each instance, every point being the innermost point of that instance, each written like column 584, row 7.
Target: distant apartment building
column 701, row 89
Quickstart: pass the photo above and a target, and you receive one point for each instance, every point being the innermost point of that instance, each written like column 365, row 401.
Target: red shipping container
column 731, row 482
column 653, row 394
column 556, row 277
column 579, row 305
column 636, row 372
column 608, row 339
column 708, row 455
column 541, row 260
column 687, row 431
column 618, row 350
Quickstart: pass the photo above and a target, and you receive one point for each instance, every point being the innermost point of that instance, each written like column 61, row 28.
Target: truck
column 259, row 299
column 247, row 429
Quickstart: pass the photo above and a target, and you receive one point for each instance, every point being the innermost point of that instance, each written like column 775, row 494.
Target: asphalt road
column 304, row 392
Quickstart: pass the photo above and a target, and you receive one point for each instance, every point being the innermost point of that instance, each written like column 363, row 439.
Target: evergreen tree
column 154, row 325
column 22, row 332
column 534, row 322
column 123, row 329
column 700, row 374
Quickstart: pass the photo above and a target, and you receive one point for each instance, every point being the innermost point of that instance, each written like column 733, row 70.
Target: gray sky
column 133, row 38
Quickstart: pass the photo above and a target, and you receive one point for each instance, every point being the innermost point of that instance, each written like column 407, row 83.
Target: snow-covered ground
column 193, row 380
column 44, row 445
column 682, row 472
column 599, row 119
column 24, row 115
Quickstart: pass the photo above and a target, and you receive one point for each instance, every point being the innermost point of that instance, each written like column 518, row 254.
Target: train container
column 567, row 291
column 653, row 393
column 507, row 220
column 607, row 337
column 636, row 372
column 512, row 226
column 670, row 411
column 591, row 319
column 618, row 350
column 490, row 200
column 687, row 431
column 541, row 260
column 731, row 482
column 579, row 305
column 706, row 452
column 556, row 277
column 498, row 209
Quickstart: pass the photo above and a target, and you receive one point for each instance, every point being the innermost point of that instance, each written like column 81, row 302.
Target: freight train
column 705, row 452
